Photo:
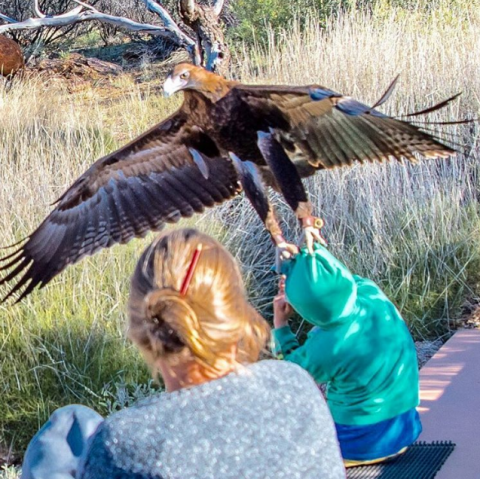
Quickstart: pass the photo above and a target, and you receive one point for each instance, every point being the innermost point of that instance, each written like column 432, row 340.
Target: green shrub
column 256, row 17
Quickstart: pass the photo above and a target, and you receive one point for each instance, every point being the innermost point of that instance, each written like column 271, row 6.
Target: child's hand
column 282, row 311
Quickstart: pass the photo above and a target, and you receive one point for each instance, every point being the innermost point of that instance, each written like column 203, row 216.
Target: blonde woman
column 224, row 413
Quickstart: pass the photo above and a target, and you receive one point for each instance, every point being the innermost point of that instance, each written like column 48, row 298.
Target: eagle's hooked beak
column 171, row 86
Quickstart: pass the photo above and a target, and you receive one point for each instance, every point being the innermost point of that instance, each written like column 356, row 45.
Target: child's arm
column 323, row 291
column 311, row 356
column 286, row 344
column 284, row 339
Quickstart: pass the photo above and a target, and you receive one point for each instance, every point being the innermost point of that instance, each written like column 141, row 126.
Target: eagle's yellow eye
column 184, row 75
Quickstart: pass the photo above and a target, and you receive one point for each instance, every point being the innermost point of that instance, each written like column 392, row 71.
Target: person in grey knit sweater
column 224, row 413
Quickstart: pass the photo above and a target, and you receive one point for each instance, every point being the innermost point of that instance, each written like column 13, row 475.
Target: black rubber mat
column 421, row 461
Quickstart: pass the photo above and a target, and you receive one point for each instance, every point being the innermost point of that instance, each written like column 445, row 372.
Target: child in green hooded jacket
column 360, row 346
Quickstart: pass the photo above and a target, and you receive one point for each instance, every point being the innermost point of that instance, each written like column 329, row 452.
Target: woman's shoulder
column 141, row 408
column 279, row 367
column 123, row 441
column 128, row 425
column 284, row 374
column 278, row 377
column 256, row 402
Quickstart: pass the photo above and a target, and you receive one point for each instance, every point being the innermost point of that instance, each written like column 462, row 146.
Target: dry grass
column 413, row 229
column 9, row 473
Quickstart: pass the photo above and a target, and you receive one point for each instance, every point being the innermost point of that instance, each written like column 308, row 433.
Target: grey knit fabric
column 267, row 420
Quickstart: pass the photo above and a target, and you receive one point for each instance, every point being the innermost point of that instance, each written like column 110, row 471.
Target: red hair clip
column 191, row 270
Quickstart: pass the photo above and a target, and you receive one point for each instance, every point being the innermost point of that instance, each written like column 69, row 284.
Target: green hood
column 319, row 288
column 361, row 347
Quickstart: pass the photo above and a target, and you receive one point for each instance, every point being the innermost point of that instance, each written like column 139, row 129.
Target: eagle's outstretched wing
column 160, row 177
column 176, row 169
column 324, row 129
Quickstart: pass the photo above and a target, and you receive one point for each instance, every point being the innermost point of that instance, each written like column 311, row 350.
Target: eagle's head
column 186, row 76
column 183, row 77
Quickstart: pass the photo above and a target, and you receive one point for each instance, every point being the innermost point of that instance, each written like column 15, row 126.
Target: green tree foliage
column 253, row 15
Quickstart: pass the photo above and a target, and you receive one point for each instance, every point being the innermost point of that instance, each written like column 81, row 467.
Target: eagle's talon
column 312, row 232
column 284, row 251
column 287, row 250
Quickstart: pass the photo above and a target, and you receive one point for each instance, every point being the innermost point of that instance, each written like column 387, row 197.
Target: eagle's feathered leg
column 291, row 186
column 251, row 181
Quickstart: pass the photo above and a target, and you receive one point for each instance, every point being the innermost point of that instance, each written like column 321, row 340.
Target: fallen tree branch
column 7, row 19
column 36, row 7
column 74, row 16
column 169, row 22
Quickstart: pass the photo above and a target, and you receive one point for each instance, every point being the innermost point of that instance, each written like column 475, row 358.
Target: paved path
column 450, row 403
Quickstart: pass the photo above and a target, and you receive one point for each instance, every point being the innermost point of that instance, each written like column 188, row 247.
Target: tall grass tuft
column 412, row 228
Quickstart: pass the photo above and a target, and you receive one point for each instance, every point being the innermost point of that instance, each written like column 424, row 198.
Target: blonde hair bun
column 161, row 309
column 212, row 317
column 175, row 324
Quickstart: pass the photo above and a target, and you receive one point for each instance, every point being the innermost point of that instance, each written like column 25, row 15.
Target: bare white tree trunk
column 205, row 22
column 218, row 7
